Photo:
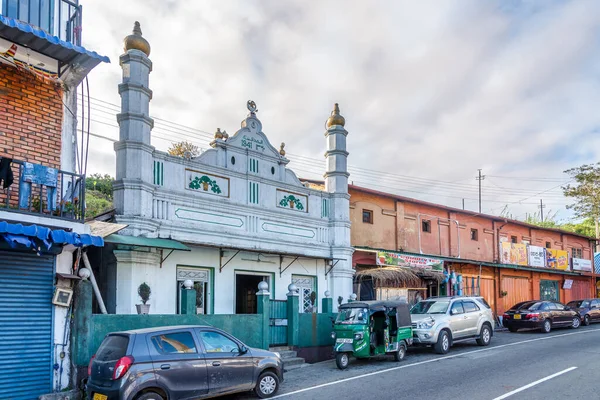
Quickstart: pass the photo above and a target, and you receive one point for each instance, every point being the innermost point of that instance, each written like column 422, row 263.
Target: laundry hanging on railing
column 41, row 175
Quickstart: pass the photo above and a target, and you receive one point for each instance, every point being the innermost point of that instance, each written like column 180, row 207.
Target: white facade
column 237, row 205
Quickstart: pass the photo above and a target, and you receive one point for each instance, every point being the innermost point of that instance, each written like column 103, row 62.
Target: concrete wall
column 137, row 267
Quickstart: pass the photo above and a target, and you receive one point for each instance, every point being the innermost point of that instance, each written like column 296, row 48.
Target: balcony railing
column 47, row 192
column 60, row 18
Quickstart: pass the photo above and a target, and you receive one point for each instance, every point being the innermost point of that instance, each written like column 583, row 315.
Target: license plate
column 337, row 341
column 98, row 396
column 517, row 316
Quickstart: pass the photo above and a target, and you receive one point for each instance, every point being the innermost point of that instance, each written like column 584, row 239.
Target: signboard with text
column 537, row 256
column 513, row 253
column 580, row 264
column 405, row 260
column 557, row 259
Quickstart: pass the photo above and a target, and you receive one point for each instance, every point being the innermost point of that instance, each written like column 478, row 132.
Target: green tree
column 100, row 183
column 585, row 227
column 180, row 148
column 585, row 193
column 96, row 203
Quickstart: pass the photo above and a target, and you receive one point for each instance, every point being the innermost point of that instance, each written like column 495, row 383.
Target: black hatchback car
column 540, row 314
column 589, row 309
column 179, row 362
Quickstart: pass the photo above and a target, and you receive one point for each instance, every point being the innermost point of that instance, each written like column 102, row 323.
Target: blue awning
column 41, row 238
column 39, row 40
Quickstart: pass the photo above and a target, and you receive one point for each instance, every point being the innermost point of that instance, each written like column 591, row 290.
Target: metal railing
column 60, row 18
column 62, row 197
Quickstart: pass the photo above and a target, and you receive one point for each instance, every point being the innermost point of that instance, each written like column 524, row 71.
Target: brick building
column 494, row 256
column 41, row 192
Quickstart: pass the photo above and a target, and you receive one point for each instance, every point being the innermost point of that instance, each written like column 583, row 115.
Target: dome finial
column 136, row 41
column 335, row 118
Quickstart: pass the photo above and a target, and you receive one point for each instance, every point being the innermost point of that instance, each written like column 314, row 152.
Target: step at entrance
column 289, row 357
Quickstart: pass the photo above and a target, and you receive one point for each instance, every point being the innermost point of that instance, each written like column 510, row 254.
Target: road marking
column 430, row 361
column 532, row 384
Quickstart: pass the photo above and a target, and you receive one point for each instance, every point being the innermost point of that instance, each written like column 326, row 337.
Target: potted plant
column 144, row 293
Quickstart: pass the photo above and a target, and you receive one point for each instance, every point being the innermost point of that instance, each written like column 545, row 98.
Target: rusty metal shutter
column 26, row 289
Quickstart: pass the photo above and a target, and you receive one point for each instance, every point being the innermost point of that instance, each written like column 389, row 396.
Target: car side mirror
column 567, row 308
column 452, row 312
column 243, row 349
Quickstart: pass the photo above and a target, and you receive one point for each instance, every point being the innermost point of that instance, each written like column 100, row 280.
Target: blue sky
column 431, row 90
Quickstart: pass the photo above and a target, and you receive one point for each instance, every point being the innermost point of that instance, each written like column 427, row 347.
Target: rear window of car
column 113, row 348
column 527, row 305
column 485, row 303
column 174, row 343
column 578, row 304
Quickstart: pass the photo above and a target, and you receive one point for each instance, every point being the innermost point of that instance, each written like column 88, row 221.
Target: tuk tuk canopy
column 402, row 310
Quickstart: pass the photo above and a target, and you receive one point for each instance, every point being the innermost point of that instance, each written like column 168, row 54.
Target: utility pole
column 463, row 204
column 480, row 178
column 542, row 206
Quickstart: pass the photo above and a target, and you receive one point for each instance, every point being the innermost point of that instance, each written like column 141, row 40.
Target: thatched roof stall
column 389, row 276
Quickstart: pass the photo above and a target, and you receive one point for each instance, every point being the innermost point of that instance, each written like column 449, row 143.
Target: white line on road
column 432, row 360
column 532, row 384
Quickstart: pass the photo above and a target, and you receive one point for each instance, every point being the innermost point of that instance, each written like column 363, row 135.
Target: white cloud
column 432, row 89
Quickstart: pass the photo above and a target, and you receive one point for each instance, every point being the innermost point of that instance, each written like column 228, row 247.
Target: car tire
column 576, row 322
column 512, row 329
column 546, row 326
column 150, row 396
column 442, row 346
column 401, row 353
column 342, row 360
column 267, row 385
column 586, row 320
column 485, row 336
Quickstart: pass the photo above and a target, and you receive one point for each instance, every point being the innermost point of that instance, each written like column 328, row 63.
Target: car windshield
column 578, row 304
column 528, row 305
column 352, row 316
column 430, row 307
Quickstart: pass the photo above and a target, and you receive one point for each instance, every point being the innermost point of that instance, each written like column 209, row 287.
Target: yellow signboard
column 513, row 253
column 557, row 259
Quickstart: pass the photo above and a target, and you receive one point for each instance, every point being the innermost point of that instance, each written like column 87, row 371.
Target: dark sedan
column 540, row 314
column 589, row 309
column 179, row 362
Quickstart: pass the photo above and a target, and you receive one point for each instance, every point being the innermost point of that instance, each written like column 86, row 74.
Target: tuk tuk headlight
column 359, row 336
column 425, row 324
column 333, row 335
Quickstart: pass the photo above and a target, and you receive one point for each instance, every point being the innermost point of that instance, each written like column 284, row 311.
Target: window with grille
column 253, row 165
column 200, row 277
column 367, row 216
column 577, row 253
column 426, row 225
column 306, row 286
column 159, row 173
column 253, row 192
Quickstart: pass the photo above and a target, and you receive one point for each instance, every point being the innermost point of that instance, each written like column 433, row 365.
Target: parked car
column 540, row 314
column 180, row 362
column 589, row 309
column 443, row 321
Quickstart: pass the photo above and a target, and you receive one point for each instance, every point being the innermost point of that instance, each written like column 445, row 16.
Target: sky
column 431, row 91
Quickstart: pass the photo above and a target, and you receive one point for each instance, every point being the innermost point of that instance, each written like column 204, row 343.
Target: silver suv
column 442, row 321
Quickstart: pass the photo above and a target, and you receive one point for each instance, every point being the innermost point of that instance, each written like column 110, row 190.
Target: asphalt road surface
column 525, row 365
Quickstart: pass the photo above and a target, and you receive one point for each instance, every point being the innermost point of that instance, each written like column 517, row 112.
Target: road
column 525, row 365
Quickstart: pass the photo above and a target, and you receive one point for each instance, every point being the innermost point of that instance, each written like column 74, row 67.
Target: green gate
column 277, row 322
column 549, row 290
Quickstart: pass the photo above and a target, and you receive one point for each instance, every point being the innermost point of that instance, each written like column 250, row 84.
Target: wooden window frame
column 370, row 216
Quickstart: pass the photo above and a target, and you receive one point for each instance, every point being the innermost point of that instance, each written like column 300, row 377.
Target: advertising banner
column 557, row 259
column 582, row 265
column 513, row 253
column 405, row 260
column 537, row 256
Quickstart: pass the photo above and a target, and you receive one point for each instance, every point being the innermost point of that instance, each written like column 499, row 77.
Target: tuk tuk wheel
column 342, row 360
column 401, row 353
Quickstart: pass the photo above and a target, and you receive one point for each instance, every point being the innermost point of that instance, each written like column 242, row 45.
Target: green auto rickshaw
column 369, row 328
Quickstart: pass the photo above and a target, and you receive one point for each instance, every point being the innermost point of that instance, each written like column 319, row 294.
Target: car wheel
column 401, row 353
column 485, row 336
column 442, row 345
column 547, row 326
column 267, row 385
column 586, row 320
column 512, row 329
column 150, row 396
column 342, row 360
column 576, row 322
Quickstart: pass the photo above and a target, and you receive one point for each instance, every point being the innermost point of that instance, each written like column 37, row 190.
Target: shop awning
column 140, row 241
column 40, row 238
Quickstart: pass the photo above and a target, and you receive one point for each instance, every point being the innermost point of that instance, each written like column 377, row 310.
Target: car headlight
column 277, row 354
column 425, row 324
column 333, row 335
column 358, row 336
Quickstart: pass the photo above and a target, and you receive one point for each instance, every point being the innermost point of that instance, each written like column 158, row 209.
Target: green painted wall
column 315, row 330
column 247, row 328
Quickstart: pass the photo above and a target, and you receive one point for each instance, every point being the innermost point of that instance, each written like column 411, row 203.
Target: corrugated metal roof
column 39, row 40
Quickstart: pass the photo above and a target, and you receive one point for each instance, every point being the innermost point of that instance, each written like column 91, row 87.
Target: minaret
column 133, row 184
column 336, row 183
